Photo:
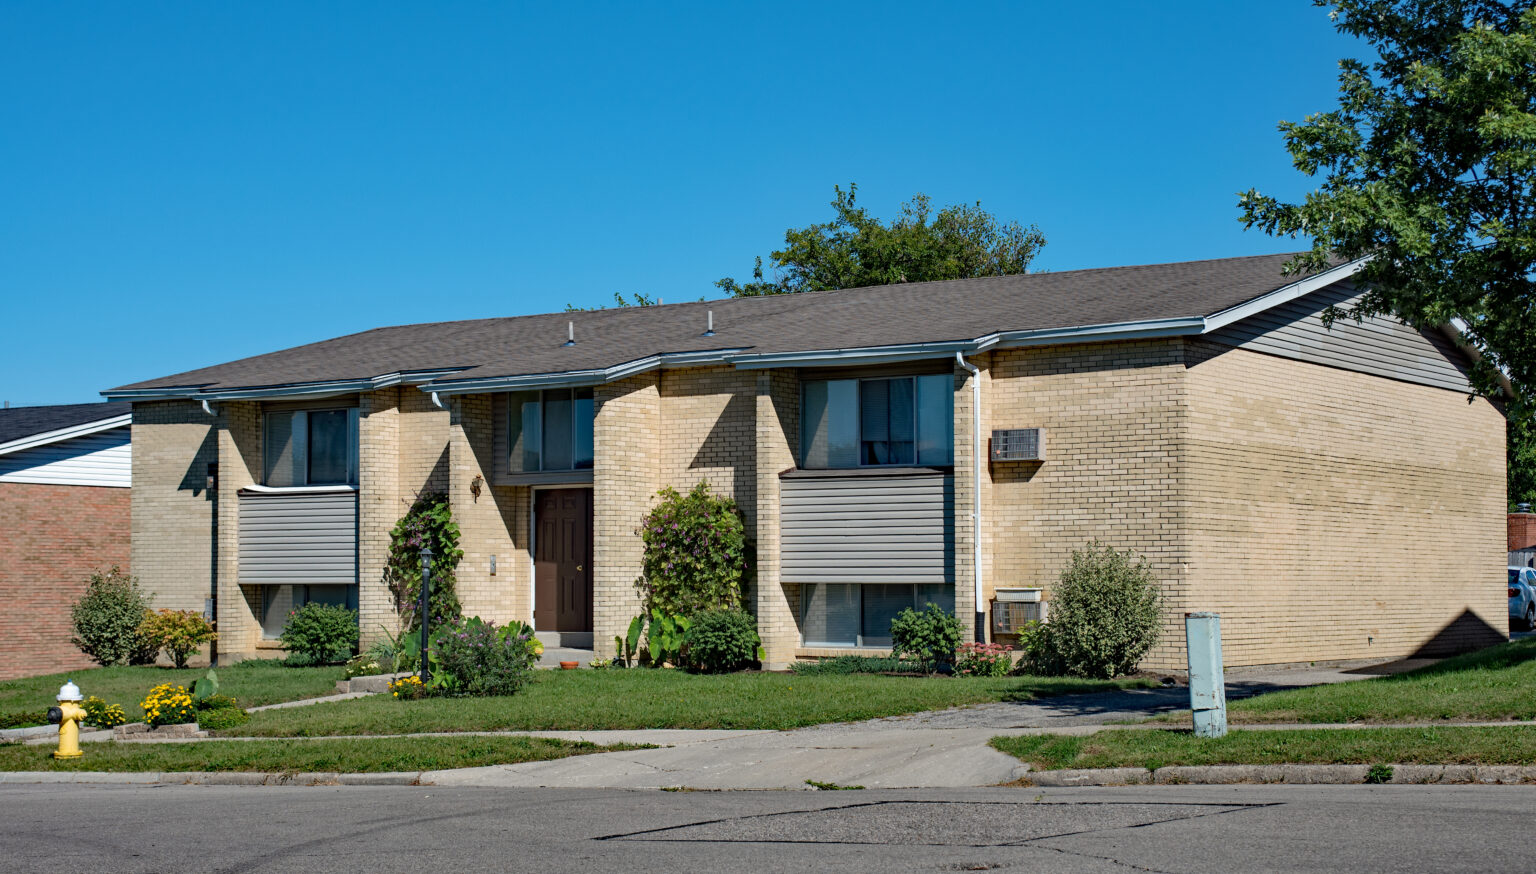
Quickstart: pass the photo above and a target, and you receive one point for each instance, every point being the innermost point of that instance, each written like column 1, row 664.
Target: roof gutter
column 577, row 377
column 289, row 390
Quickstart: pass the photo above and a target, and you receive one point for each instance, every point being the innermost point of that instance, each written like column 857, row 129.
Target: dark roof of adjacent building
column 858, row 318
column 19, row 422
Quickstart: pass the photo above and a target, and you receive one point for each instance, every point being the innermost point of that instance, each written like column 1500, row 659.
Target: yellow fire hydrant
column 68, row 715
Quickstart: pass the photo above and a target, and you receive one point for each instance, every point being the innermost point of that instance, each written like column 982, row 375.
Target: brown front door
column 562, row 560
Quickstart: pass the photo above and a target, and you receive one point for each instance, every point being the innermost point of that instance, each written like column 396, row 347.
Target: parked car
column 1522, row 598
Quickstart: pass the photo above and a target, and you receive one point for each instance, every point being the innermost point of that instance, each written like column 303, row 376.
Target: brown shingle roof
column 922, row 312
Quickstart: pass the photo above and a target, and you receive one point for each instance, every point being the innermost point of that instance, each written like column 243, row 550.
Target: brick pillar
column 1522, row 531
column 379, row 505
column 626, row 474
column 778, row 430
column 239, row 442
column 965, row 533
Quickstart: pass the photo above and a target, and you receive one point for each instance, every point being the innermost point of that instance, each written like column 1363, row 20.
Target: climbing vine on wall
column 429, row 522
column 695, row 553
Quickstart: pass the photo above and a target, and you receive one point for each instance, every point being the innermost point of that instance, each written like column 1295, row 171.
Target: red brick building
column 64, row 504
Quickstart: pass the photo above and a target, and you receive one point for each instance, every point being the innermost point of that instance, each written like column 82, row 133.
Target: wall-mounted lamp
column 213, row 475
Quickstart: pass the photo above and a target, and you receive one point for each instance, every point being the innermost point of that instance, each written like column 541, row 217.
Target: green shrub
column 218, row 712
column 319, row 633
column 428, row 522
column 721, row 641
column 24, row 719
column 695, row 553
column 856, row 665
column 178, row 632
column 107, row 617
column 474, row 657
column 1104, row 616
column 930, row 637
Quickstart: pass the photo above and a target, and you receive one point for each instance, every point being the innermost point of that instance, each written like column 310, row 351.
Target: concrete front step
column 565, row 639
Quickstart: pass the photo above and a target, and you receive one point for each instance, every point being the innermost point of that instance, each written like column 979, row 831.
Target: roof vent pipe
column 981, row 625
column 570, row 334
column 709, row 324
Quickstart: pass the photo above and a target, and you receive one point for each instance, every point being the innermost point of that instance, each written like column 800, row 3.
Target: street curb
column 1217, row 775
column 214, row 778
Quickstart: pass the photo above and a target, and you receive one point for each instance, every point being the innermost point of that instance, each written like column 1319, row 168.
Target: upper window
column 907, row 420
column 311, row 447
column 550, row 430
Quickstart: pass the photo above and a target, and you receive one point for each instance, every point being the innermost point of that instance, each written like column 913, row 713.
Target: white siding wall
column 100, row 459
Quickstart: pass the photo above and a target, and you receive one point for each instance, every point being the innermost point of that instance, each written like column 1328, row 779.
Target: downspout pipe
column 981, row 611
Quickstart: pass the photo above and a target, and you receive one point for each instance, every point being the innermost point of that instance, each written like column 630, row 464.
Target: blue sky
column 185, row 184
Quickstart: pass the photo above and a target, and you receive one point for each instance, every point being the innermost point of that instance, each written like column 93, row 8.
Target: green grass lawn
column 1497, row 683
column 343, row 756
column 640, row 698
column 254, row 685
column 1116, row 748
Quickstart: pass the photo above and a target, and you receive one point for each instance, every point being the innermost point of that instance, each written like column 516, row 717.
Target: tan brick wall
column 1114, row 415
column 239, row 437
column 708, row 432
column 494, row 523
column 172, row 509
column 379, row 504
column 627, row 465
column 777, row 438
column 1335, row 515
column 423, row 444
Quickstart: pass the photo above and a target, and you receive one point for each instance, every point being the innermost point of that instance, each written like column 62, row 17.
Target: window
column 853, row 614
column 906, row 420
column 550, row 430
column 311, row 447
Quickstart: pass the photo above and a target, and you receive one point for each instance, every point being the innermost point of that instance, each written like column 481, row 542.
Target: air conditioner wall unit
column 1018, row 444
column 1014, row 609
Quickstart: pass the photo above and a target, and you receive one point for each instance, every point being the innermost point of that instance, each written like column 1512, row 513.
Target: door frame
column 533, row 533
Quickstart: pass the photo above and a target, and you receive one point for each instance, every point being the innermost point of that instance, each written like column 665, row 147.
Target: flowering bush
column 364, row 665
column 983, row 660
column 695, row 553
column 474, row 657
column 101, row 714
column 169, row 704
column 408, row 688
column 178, row 632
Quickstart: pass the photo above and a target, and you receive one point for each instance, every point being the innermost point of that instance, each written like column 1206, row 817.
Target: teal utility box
column 1207, row 684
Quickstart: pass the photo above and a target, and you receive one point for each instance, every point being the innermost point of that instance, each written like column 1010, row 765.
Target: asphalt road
column 392, row 829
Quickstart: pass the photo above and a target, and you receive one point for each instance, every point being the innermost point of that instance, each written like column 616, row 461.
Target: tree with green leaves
column 1428, row 168
column 856, row 249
